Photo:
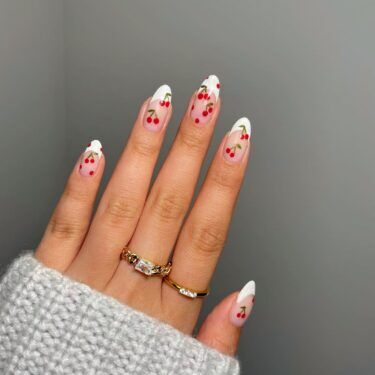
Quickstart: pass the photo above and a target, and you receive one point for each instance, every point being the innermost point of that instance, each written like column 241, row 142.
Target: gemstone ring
column 190, row 293
column 145, row 266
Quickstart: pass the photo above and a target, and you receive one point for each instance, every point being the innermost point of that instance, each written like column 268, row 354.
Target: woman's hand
column 151, row 223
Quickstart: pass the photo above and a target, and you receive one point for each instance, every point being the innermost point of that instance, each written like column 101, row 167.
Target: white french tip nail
column 163, row 93
column 96, row 147
column 247, row 290
column 240, row 124
column 213, row 85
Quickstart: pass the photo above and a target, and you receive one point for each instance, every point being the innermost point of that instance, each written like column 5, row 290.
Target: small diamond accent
column 188, row 293
column 145, row 267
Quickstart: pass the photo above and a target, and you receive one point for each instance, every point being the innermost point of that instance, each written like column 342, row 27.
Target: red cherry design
column 92, row 160
column 218, row 85
column 167, row 104
column 162, row 103
column 242, row 136
column 156, row 120
column 246, row 136
column 205, row 95
column 243, row 316
column 238, row 315
column 231, row 154
column 204, row 113
column 80, row 166
column 91, row 173
column 200, row 96
column 208, row 97
column 192, row 107
column 197, row 120
column 227, row 150
column 86, row 160
column 210, row 109
column 149, row 119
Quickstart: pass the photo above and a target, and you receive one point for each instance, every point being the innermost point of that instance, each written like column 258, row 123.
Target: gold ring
column 145, row 266
column 190, row 293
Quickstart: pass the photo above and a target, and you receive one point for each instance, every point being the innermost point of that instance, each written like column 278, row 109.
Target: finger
column 222, row 328
column 70, row 221
column 204, row 233
column 173, row 189
column 122, row 202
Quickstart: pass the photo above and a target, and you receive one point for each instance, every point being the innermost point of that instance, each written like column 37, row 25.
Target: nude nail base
column 90, row 159
column 238, row 140
column 243, row 305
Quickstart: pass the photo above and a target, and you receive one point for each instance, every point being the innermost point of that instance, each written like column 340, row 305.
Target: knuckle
column 168, row 206
column 120, row 209
column 208, row 238
column 227, row 180
column 66, row 228
column 76, row 194
column 192, row 140
column 144, row 147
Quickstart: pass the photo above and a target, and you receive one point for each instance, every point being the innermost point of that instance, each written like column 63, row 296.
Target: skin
column 153, row 221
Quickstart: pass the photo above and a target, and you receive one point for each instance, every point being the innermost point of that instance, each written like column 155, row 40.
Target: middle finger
column 172, row 192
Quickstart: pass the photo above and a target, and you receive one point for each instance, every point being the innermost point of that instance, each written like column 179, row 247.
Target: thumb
column 222, row 328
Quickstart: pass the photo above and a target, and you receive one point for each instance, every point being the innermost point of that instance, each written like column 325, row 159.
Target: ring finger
column 203, row 235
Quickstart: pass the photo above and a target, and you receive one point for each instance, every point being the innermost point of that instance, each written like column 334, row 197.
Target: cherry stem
column 204, row 88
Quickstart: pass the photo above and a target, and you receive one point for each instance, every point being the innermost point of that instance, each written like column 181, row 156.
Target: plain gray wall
column 32, row 119
column 303, row 71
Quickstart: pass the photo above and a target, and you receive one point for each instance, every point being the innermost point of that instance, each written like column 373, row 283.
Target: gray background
column 303, row 71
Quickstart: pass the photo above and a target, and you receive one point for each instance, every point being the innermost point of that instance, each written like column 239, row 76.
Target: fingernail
column 205, row 100
column 90, row 158
column 238, row 140
column 243, row 305
column 157, row 109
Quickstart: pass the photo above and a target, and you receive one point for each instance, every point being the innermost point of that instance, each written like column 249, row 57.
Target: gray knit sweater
column 50, row 324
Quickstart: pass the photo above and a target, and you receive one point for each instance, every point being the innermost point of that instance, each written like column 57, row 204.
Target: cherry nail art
column 238, row 140
column 90, row 159
column 205, row 100
column 157, row 110
column 243, row 304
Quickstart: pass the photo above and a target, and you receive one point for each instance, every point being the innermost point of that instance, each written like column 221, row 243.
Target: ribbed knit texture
column 50, row 324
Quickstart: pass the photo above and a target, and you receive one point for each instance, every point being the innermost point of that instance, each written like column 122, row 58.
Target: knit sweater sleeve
column 50, row 324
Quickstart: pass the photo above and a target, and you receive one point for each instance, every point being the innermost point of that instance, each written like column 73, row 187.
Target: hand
column 151, row 223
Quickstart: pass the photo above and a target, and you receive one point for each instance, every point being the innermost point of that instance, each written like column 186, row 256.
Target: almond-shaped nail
column 238, row 140
column 243, row 304
column 157, row 110
column 90, row 158
column 205, row 100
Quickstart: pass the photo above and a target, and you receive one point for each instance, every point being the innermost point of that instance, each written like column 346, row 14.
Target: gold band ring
column 190, row 293
column 145, row 266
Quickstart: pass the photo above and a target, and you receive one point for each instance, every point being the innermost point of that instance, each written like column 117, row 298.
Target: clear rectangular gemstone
column 144, row 266
column 188, row 293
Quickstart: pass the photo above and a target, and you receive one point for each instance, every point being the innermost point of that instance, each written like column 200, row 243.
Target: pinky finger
column 222, row 328
column 70, row 220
